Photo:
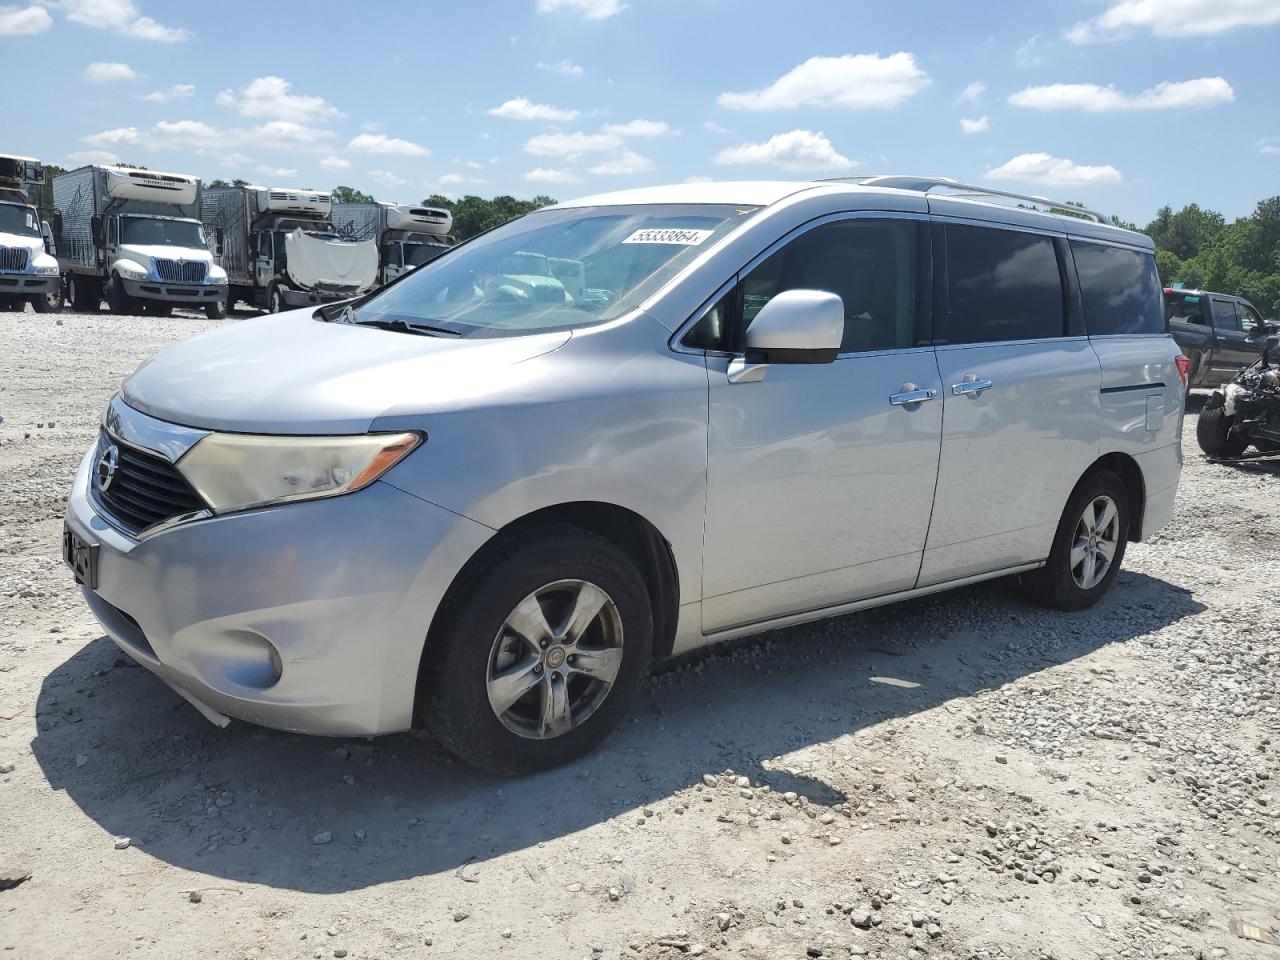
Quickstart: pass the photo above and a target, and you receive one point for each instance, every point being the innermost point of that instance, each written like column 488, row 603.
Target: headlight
column 50, row 271
column 238, row 471
column 130, row 270
column 217, row 274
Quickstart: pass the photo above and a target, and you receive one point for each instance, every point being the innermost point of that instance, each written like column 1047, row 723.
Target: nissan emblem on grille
column 105, row 471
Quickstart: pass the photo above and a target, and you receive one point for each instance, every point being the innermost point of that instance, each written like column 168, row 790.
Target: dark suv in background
column 1220, row 333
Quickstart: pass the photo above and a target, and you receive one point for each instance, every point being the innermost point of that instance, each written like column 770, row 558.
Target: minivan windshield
column 148, row 231
column 19, row 220
column 553, row 270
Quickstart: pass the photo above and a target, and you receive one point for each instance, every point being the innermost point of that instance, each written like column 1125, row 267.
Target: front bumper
column 27, row 284
column 192, row 293
column 343, row 589
column 306, row 298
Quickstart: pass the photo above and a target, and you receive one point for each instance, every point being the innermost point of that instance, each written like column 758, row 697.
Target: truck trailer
column 28, row 273
column 135, row 238
column 407, row 236
column 281, row 250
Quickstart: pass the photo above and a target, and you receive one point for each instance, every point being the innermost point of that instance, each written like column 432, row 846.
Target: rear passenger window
column 1001, row 285
column 1120, row 289
column 1185, row 308
column 869, row 264
column 1224, row 315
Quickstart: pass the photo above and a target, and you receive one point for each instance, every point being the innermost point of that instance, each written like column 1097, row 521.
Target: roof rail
column 966, row 191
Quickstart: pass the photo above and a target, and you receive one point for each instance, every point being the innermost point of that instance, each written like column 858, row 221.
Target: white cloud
column 712, row 127
column 335, row 163
column 474, row 165
column 387, row 178
column 269, row 98
column 121, row 16
column 278, row 172
column 572, row 145
column 451, row 179
column 548, row 175
column 112, row 137
column 1053, row 171
column 1269, row 145
column 1174, row 18
column 1030, row 53
column 629, row 162
column 1090, row 97
column 523, row 109
column 981, row 125
column 107, row 72
column 639, row 128
column 179, row 91
column 855, row 81
column 972, row 93
column 94, row 156
column 288, row 133
column 24, row 21
column 697, row 179
column 588, row 9
column 195, row 135
column 794, row 150
column 236, row 160
column 566, row 68
column 388, row 146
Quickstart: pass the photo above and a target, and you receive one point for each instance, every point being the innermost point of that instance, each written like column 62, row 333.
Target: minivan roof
column 980, row 203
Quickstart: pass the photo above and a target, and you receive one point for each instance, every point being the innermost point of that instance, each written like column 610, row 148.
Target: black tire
column 216, row 310
column 160, row 309
column 275, row 300
column 1212, row 435
column 1054, row 585
column 453, row 695
column 40, row 303
column 118, row 301
column 85, row 297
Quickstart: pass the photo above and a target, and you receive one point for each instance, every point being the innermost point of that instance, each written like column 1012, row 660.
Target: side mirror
column 95, row 227
column 797, row 326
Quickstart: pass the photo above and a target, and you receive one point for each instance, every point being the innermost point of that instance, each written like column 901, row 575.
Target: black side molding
column 1131, row 388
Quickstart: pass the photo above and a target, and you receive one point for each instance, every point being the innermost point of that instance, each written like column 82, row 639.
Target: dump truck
column 28, row 271
column 407, row 236
column 281, row 250
column 134, row 237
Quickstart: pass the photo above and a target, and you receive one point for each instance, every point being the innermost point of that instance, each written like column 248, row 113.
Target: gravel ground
column 958, row 776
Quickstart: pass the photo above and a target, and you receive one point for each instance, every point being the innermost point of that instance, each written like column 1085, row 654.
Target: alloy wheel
column 1093, row 547
column 554, row 659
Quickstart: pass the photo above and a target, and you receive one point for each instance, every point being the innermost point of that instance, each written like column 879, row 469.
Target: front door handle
column 970, row 387
column 908, row 397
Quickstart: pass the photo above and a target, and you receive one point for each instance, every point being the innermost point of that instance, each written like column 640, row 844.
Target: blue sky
column 1122, row 104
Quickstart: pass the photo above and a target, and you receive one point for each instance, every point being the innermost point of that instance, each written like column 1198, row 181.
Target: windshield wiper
column 404, row 326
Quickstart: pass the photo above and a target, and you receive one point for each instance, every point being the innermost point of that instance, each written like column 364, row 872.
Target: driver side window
column 870, row 264
column 1250, row 322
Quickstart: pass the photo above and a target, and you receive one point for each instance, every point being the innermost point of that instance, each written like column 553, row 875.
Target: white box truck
column 281, row 250
column 135, row 238
column 28, row 271
column 407, row 236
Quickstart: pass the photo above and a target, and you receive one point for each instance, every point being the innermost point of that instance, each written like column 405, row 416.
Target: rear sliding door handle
column 970, row 388
column 908, row 397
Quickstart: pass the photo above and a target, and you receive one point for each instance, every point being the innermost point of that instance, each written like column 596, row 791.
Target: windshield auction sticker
column 676, row 235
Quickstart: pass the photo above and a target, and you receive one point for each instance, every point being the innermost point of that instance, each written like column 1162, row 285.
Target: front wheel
column 1213, row 433
column 216, row 310
column 40, row 303
column 1088, row 546
column 538, row 651
column 275, row 299
column 118, row 301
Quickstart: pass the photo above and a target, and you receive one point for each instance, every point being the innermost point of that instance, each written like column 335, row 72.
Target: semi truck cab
column 28, row 273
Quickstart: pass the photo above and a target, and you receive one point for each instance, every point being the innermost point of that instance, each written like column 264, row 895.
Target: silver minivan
column 486, row 497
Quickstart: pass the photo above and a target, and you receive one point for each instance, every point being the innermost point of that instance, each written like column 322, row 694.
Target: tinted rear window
column 1185, row 307
column 1001, row 285
column 1120, row 289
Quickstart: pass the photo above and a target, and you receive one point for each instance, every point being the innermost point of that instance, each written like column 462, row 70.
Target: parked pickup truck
column 1220, row 333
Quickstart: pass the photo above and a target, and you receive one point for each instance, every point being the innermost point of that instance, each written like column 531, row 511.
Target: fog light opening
column 277, row 665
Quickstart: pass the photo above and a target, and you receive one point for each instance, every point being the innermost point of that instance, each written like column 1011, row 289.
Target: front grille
column 174, row 271
column 145, row 489
column 14, row 258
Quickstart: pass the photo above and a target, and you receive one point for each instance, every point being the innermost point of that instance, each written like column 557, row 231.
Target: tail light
column 1184, row 368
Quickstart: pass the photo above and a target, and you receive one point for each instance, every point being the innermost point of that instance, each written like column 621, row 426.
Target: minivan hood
column 293, row 374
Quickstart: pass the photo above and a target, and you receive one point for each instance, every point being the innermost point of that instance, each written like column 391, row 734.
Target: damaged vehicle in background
column 1246, row 412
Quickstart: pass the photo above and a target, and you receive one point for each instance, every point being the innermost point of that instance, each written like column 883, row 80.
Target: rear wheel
column 85, row 297
column 1214, row 436
column 1088, row 546
column 538, row 651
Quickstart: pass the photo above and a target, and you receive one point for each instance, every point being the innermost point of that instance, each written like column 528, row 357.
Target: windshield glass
column 554, row 269
column 416, row 254
column 320, row 228
column 162, row 233
column 19, row 220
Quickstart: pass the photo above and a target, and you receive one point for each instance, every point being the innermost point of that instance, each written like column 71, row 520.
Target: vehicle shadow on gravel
column 247, row 804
